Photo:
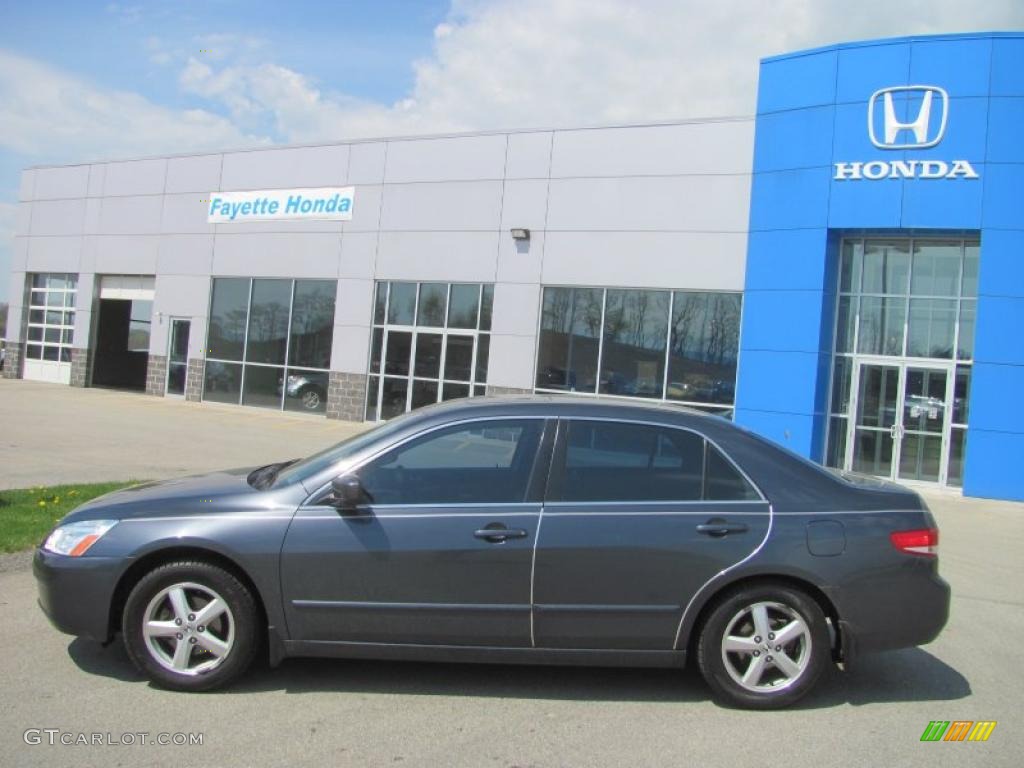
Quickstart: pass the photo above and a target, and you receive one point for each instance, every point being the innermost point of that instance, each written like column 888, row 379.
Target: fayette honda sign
column 925, row 130
column 330, row 203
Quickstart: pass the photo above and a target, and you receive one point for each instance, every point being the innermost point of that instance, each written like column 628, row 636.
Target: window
column 485, row 462
column 51, row 317
column 269, row 343
column 723, row 482
column 430, row 342
column 140, row 320
column 613, row 461
column 679, row 346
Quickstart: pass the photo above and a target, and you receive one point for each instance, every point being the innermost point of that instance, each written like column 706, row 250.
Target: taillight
column 924, row 541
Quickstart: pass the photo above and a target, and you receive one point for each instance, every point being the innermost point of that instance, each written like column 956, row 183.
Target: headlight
column 74, row 539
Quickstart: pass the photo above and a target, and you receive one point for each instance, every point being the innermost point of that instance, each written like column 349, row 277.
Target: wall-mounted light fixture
column 520, row 233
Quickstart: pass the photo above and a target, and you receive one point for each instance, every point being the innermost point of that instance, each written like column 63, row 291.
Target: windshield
column 311, row 465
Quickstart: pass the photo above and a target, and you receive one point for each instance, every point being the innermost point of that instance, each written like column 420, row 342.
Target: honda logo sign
column 926, row 132
column 906, row 117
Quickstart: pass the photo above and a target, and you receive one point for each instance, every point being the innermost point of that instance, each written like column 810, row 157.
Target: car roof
column 554, row 405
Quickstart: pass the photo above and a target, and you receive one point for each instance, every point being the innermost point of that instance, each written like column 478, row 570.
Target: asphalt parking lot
column 384, row 713
column 51, row 433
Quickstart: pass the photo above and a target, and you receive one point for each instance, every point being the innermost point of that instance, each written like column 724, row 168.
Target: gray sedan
column 552, row 530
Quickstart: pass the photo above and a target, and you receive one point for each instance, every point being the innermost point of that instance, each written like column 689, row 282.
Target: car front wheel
column 764, row 646
column 190, row 626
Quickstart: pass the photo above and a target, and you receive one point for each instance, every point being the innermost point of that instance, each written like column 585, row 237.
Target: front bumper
column 75, row 592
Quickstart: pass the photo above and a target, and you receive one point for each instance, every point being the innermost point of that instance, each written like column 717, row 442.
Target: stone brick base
column 494, row 390
column 79, row 367
column 12, row 360
column 346, row 396
column 156, row 375
column 194, row 379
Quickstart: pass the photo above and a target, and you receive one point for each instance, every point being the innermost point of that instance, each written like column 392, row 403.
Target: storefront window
column 312, row 325
column 679, row 346
column 635, row 334
column 429, row 343
column 228, row 312
column 705, row 342
column 268, row 322
column 283, row 331
column 570, row 333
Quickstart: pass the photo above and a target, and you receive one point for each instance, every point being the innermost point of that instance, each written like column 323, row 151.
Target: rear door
column 440, row 555
column 638, row 517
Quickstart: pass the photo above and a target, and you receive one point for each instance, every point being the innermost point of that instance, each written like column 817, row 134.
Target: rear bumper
column 75, row 592
column 901, row 614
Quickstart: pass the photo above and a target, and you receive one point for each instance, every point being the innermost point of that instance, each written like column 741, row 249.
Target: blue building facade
column 883, row 319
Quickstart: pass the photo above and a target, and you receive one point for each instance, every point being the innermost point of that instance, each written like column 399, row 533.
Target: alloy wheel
column 188, row 629
column 766, row 647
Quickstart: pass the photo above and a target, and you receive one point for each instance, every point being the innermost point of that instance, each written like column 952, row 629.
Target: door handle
column 498, row 535
column 716, row 528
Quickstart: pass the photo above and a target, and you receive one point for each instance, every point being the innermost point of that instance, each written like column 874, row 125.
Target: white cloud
column 52, row 116
column 518, row 63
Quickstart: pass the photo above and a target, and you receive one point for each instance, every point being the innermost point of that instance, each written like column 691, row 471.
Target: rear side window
column 615, row 461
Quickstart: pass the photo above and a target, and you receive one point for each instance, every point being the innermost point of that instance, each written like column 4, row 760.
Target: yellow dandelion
column 42, row 502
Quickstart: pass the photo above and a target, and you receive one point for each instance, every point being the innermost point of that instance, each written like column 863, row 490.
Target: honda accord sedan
column 539, row 530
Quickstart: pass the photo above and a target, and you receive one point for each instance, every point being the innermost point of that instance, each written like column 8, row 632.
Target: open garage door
column 122, row 331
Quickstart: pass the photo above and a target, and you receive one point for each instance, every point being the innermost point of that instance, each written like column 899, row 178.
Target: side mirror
column 347, row 493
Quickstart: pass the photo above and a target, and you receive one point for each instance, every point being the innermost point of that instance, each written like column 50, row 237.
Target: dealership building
column 842, row 272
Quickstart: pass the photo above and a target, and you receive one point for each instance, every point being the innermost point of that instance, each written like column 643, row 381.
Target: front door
column 441, row 554
column 901, row 420
column 177, row 357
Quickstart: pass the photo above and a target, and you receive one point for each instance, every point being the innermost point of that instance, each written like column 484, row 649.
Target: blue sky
column 85, row 80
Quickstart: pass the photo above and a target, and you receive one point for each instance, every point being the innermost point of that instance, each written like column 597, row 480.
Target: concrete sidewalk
column 50, row 434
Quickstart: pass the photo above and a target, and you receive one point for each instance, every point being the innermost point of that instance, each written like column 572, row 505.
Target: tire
column 749, row 670
column 180, row 651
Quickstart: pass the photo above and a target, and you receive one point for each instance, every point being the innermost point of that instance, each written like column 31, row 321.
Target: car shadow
column 897, row 676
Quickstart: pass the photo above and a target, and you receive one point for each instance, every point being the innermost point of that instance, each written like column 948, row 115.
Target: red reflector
column 921, row 542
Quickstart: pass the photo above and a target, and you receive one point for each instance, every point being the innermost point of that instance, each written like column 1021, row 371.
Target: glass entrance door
column 925, row 423
column 177, row 357
column 901, row 421
column 874, row 428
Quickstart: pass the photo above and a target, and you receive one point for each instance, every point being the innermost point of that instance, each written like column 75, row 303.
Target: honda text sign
column 332, row 203
column 906, row 117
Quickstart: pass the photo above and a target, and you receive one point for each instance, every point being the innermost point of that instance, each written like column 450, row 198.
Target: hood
column 223, row 491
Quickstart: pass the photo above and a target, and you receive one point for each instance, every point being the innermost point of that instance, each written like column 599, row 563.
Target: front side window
column 615, row 461
column 484, row 462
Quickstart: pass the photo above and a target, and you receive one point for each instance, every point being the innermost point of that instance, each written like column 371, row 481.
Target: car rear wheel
column 190, row 626
column 763, row 646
